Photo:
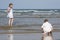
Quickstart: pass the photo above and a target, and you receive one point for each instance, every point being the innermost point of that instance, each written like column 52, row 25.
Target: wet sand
column 29, row 36
column 25, row 33
column 20, row 30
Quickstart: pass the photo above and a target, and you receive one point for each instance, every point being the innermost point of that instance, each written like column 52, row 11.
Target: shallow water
column 30, row 36
column 31, row 21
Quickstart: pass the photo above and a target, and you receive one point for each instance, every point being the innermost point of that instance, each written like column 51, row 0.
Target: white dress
column 47, row 27
column 10, row 14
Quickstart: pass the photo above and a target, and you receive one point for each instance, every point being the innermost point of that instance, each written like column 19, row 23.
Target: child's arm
column 8, row 10
column 42, row 28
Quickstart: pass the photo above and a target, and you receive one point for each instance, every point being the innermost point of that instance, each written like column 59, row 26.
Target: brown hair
column 45, row 20
column 10, row 4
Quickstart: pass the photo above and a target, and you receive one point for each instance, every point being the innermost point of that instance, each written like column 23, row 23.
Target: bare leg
column 11, row 21
column 50, row 33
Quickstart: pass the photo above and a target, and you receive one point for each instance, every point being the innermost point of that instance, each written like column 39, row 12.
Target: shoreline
column 20, row 30
column 25, row 32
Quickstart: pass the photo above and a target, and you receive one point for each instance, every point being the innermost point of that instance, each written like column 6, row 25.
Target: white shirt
column 10, row 13
column 47, row 27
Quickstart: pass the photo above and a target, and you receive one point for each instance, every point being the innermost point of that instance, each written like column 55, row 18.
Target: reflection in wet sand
column 48, row 38
column 10, row 36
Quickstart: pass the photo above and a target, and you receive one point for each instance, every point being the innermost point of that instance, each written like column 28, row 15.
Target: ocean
column 30, row 19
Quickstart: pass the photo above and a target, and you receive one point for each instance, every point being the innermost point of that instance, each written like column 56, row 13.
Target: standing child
column 10, row 14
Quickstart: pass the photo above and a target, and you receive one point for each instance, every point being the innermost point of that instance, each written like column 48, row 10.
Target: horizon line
column 32, row 9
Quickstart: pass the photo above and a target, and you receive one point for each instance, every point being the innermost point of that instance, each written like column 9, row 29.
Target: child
column 10, row 14
column 47, row 28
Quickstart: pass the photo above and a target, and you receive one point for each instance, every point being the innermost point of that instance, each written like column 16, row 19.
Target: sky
column 31, row 4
